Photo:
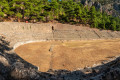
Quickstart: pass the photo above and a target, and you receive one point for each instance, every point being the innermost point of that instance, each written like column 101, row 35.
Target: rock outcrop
column 111, row 7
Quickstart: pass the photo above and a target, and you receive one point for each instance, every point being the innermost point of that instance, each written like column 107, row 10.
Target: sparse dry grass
column 69, row 55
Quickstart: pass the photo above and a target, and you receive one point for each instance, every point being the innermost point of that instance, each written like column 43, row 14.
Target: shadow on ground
column 12, row 67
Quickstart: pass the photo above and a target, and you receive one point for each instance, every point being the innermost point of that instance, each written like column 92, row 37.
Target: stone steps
column 22, row 31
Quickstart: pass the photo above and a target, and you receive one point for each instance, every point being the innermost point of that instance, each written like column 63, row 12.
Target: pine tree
column 62, row 10
column 78, row 12
column 4, row 8
column 18, row 6
column 54, row 8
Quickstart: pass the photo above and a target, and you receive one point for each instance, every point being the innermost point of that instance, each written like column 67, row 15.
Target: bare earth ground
column 70, row 55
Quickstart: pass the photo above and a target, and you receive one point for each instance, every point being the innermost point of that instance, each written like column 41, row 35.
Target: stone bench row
column 66, row 35
column 85, row 34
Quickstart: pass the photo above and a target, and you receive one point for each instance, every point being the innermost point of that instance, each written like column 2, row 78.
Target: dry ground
column 69, row 55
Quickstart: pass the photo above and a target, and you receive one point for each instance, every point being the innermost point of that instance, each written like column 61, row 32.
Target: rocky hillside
column 110, row 6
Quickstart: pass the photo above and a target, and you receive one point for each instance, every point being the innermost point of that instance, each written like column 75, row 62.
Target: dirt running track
column 70, row 55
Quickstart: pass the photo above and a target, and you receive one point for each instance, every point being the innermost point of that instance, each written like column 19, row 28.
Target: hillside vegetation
column 66, row 11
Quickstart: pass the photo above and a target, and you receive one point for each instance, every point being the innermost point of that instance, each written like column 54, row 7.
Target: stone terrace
column 19, row 32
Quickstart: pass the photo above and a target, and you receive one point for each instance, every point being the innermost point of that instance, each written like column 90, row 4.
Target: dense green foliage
column 66, row 11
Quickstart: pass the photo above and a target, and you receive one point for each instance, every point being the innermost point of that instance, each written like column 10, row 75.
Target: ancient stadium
column 56, row 51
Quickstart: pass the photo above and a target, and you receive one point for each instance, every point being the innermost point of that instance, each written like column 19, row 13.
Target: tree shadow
column 11, row 57
column 4, row 45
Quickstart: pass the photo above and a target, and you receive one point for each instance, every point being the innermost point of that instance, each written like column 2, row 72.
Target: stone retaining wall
column 20, row 32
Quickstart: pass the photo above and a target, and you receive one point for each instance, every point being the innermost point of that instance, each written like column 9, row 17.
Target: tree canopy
column 66, row 11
